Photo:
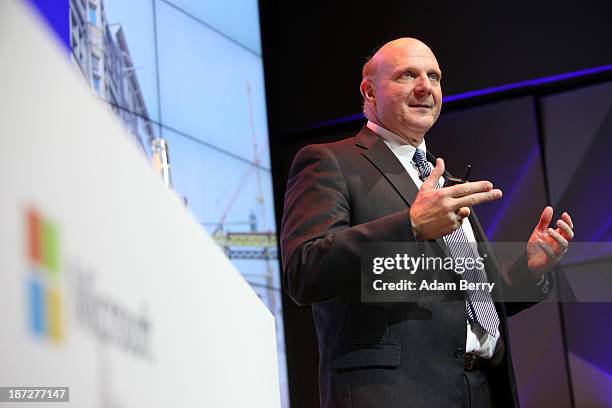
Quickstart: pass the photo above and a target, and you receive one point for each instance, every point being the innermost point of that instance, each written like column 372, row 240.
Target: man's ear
column 367, row 91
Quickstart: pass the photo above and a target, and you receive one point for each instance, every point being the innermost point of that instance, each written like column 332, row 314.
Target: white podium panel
column 107, row 284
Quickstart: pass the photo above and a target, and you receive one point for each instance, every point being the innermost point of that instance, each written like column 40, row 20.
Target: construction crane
column 252, row 245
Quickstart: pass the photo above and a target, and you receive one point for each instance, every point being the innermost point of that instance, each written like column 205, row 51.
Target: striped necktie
column 479, row 304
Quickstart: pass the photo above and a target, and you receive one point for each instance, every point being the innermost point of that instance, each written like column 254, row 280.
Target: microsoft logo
column 44, row 294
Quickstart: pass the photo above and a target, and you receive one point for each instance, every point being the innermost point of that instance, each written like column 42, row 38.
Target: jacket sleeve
column 320, row 248
column 523, row 292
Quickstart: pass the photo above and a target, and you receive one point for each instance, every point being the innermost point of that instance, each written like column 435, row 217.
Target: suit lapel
column 379, row 154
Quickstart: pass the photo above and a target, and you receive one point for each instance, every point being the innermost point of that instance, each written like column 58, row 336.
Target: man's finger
column 561, row 241
column 547, row 249
column 545, row 218
column 463, row 212
column 566, row 217
column 462, row 190
column 477, row 198
column 565, row 230
column 436, row 173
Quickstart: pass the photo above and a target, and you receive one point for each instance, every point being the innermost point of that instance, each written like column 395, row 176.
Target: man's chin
column 420, row 125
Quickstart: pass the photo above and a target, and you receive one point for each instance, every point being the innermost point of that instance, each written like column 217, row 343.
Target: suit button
column 459, row 353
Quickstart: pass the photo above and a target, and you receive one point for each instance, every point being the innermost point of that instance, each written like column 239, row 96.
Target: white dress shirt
column 478, row 341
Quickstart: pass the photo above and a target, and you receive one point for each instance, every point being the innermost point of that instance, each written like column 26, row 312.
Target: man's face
column 407, row 94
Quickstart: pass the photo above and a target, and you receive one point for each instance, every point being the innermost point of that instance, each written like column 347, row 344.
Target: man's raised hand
column 546, row 246
column 437, row 212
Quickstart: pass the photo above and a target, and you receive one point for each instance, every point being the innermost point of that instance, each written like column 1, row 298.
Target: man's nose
column 423, row 86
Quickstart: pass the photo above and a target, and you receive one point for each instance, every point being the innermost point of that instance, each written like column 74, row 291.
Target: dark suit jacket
column 339, row 196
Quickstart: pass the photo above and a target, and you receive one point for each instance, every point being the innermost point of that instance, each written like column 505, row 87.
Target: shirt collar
column 397, row 144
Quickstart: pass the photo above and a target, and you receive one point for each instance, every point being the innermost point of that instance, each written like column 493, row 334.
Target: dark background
column 538, row 143
column 314, row 50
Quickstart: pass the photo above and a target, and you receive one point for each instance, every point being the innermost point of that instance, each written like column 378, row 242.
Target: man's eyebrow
column 406, row 68
column 411, row 68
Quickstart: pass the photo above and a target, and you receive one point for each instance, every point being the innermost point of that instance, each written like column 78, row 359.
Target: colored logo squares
column 44, row 294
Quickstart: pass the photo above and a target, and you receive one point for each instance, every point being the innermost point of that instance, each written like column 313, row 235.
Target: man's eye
column 434, row 77
column 409, row 75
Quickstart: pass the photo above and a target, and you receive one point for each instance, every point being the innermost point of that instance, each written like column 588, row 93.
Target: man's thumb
column 437, row 171
column 545, row 218
column 435, row 174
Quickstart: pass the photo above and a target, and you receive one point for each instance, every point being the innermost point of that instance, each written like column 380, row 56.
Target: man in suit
column 377, row 187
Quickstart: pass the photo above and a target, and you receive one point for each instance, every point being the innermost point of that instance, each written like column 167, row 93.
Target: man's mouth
column 420, row 105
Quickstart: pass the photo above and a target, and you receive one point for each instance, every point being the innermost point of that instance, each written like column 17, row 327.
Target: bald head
column 388, row 50
column 401, row 88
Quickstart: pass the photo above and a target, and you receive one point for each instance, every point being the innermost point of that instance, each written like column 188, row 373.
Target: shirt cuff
column 544, row 284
